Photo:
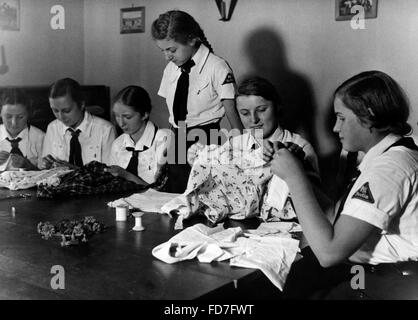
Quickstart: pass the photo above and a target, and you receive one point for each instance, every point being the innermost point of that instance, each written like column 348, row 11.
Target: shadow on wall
column 267, row 57
column 4, row 68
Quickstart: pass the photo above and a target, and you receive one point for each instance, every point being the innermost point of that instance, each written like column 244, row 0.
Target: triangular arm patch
column 364, row 193
column 229, row 79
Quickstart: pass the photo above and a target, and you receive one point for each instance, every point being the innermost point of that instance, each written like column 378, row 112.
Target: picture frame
column 132, row 20
column 343, row 9
column 10, row 15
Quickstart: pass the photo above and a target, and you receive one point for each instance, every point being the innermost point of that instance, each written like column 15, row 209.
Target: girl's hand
column 193, row 152
column 116, row 171
column 284, row 164
column 47, row 162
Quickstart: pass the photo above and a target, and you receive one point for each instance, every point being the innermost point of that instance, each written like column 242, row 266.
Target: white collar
column 5, row 134
column 85, row 125
column 378, row 149
column 145, row 140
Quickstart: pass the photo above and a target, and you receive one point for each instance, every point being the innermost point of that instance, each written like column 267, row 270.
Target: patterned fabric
column 227, row 181
column 88, row 180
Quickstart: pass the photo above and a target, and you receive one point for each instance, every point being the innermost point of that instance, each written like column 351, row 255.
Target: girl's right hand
column 193, row 152
column 47, row 162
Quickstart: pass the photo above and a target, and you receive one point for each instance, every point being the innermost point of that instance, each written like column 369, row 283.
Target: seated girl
column 259, row 107
column 76, row 137
column 20, row 143
column 376, row 223
column 140, row 153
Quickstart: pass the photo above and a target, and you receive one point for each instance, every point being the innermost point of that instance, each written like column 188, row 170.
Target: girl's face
column 129, row 120
column 354, row 134
column 67, row 111
column 257, row 113
column 15, row 118
column 176, row 52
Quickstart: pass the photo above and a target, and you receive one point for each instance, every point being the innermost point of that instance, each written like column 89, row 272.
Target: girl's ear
column 145, row 116
column 192, row 42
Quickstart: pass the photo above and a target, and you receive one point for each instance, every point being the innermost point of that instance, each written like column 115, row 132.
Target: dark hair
column 258, row 86
column 136, row 98
column 375, row 97
column 15, row 96
column 179, row 26
column 67, row 86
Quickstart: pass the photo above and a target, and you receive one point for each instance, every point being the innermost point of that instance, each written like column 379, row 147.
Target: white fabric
column 149, row 201
column 149, row 160
column 96, row 138
column 206, row 88
column 273, row 255
column 229, row 181
column 30, row 145
column 18, row 180
column 393, row 183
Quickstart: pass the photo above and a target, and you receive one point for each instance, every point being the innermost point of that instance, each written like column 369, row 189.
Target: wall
column 297, row 44
column 38, row 55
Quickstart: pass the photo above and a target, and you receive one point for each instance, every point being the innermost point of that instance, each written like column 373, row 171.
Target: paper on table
column 149, row 201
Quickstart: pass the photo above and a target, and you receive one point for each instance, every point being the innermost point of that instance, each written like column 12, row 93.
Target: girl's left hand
column 284, row 164
column 116, row 171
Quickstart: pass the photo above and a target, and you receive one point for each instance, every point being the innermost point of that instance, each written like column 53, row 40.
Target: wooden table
column 117, row 264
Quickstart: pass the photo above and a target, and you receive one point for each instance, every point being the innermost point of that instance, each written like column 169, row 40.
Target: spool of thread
column 121, row 213
column 138, row 221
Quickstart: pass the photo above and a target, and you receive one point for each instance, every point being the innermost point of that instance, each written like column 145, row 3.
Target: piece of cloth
column 386, row 196
column 148, row 201
column 152, row 161
column 273, row 254
column 210, row 81
column 14, row 143
column 88, row 180
column 96, row 138
column 18, row 180
column 30, row 145
column 75, row 148
column 182, row 91
column 225, row 182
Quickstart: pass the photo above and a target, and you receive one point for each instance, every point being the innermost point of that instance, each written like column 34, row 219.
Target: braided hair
column 179, row 26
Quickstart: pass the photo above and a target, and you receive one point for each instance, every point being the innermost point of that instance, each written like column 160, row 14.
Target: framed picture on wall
column 347, row 9
column 132, row 20
column 10, row 15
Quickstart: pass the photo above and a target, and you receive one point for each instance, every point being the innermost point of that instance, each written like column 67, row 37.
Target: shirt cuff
column 367, row 212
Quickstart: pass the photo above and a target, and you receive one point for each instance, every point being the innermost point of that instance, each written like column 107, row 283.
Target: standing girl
column 199, row 87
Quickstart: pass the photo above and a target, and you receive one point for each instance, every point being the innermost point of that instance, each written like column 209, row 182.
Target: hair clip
column 371, row 112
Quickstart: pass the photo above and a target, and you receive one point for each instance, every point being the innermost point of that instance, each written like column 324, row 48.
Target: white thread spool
column 121, row 213
column 138, row 221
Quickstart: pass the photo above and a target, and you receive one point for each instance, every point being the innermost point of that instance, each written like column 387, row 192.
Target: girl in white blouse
column 140, row 153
